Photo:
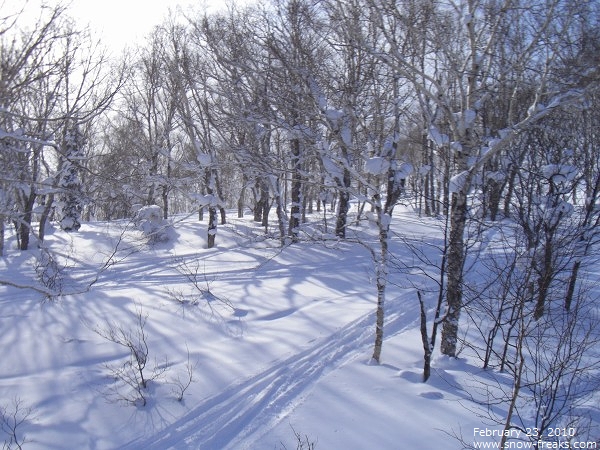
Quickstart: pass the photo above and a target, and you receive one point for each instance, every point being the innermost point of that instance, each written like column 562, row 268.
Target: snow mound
column 149, row 220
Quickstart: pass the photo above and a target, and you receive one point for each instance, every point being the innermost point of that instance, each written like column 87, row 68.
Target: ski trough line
column 229, row 419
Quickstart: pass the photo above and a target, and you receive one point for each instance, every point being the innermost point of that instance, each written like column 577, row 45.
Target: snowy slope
column 280, row 341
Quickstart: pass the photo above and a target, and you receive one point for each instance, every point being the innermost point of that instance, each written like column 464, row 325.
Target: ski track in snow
column 245, row 411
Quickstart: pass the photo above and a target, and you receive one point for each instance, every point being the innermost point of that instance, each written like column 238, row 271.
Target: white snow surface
column 288, row 348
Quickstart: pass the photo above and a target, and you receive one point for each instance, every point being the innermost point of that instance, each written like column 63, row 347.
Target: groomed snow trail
column 243, row 412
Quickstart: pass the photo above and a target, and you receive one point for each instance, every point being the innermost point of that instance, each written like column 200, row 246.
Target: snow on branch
column 21, row 137
column 535, row 114
column 457, row 182
column 377, row 165
column 559, row 173
column 437, row 137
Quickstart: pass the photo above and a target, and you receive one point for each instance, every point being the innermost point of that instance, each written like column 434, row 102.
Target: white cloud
column 118, row 23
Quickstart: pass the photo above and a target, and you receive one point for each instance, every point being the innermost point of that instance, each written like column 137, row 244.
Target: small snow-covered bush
column 49, row 273
column 149, row 220
column 132, row 375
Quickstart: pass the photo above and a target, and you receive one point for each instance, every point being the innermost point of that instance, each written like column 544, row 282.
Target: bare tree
column 470, row 80
column 54, row 79
column 148, row 101
column 134, row 374
column 25, row 69
column 12, row 419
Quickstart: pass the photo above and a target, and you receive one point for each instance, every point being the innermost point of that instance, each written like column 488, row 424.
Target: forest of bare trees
column 483, row 114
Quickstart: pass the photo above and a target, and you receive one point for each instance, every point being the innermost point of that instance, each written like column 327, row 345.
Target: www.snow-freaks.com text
column 555, row 438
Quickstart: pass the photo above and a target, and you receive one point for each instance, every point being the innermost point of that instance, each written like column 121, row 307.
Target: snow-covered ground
column 279, row 341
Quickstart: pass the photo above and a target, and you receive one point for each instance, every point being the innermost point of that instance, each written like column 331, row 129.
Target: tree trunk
column 545, row 278
column 384, row 219
column 44, row 217
column 24, row 231
column 343, row 205
column 296, row 192
column 427, row 348
column 219, row 191
column 456, row 261
column 2, row 231
column 152, row 175
column 510, row 189
column 494, row 196
column 381, row 270
column 266, row 207
column 24, row 223
column 275, row 187
column 212, row 226
column 165, row 187
column 261, row 198
column 165, row 200
column 583, row 245
column 241, row 198
column 240, row 205
column 213, row 219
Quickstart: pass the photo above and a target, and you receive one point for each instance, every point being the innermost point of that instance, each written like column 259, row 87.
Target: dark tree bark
column 296, row 191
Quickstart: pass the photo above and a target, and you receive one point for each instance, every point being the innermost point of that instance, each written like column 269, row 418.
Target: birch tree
column 465, row 47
